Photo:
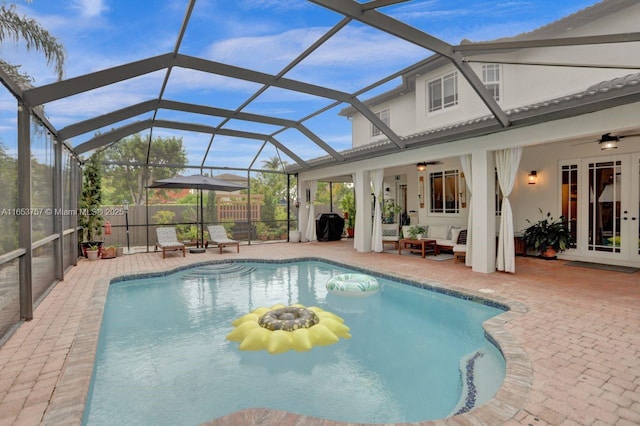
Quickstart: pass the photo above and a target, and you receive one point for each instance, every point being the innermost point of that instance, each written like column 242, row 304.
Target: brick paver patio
column 572, row 340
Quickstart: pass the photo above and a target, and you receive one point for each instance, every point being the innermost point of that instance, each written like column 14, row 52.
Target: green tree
column 274, row 188
column 91, row 199
column 126, row 176
column 211, row 210
column 21, row 28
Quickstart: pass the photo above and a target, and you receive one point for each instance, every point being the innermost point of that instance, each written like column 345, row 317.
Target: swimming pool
column 163, row 357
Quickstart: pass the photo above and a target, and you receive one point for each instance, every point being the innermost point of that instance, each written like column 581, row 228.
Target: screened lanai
column 251, row 92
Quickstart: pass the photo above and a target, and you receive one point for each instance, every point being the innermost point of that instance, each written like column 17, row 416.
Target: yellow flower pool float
column 281, row 328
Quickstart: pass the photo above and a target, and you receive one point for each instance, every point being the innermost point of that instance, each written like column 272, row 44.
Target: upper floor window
column 445, row 192
column 385, row 117
column 491, row 79
column 443, row 92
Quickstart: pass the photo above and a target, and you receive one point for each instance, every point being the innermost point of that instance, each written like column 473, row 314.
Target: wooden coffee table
column 423, row 246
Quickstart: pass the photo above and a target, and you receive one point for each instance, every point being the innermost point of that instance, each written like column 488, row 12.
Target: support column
column 75, row 196
column 483, row 211
column 362, row 237
column 24, row 202
column 57, row 207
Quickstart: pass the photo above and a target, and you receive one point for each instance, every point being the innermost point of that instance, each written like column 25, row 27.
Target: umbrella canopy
column 197, row 182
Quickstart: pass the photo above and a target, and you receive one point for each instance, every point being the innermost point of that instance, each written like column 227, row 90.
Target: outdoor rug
column 441, row 256
column 614, row 268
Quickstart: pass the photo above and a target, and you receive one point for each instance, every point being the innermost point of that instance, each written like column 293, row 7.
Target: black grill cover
column 329, row 226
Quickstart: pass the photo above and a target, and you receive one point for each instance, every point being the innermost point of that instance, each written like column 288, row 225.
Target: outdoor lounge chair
column 167, row 240
column 218, row 236
column 390, row 234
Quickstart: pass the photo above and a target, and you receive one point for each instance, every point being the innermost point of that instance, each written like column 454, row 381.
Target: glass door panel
column 605, row 199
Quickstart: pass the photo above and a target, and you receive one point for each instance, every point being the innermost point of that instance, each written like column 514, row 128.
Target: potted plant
column 416, row 232
column 547, row 236
column 348, row 206
column 92, row 252
column 90, row 215
column 389, row 211
column 109, row 252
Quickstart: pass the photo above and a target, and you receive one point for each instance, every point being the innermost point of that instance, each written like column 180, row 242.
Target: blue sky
column 264, row 35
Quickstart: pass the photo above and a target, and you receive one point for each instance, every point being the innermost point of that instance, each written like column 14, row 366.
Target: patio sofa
column 446, row 236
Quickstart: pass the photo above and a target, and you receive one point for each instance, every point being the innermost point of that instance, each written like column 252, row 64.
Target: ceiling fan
column 609, row 141
column 422, row 166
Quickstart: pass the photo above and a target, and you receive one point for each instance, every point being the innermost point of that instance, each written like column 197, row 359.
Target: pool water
column 163, row 358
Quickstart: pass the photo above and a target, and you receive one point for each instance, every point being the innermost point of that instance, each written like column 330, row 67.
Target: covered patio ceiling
column 230, row 108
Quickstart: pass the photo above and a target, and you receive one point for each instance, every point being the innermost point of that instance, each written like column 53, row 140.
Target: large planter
column 294, row 236
column 86, row 244
column 549, row 253
column 109, row 252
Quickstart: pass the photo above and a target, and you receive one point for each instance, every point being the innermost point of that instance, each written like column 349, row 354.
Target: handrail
column 44, row 241
column 8, row 257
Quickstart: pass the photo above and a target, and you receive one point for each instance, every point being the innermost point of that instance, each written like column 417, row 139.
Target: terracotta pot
column 549, row 253
column 350, row 232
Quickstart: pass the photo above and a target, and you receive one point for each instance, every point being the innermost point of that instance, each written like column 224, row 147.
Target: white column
column 303, row 213
column 362, row 240
column 483, row 210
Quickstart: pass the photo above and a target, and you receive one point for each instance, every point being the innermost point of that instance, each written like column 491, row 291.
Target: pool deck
column 572, row 340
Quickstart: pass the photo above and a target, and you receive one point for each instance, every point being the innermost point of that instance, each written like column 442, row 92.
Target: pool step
column 219, row 270
column 471, row 389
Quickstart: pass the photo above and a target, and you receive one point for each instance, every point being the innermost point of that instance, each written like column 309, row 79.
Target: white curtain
column 377, row 177
column 310, row 235
column 465, row 160
column 507, row 162
column 357, row 236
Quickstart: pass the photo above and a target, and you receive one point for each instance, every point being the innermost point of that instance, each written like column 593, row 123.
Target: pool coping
column 67, row 403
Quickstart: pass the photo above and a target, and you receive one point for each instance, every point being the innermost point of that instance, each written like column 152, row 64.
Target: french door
column 610, row 222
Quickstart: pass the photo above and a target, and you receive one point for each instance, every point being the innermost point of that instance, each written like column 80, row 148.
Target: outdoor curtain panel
column 358, row 234
column 310, row 235
column 465, row 160
column 376, row 188
column 507, row 162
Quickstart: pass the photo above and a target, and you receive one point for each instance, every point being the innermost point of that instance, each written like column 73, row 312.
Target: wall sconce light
column 533, row 177
column 421, row 166
column 297, row 203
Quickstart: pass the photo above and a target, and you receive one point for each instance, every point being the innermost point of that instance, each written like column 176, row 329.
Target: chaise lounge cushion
column 218, row 236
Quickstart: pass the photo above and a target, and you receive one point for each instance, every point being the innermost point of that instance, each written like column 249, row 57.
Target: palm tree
column 15, row 27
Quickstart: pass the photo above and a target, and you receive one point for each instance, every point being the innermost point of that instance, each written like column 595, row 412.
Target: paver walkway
column 580, row 334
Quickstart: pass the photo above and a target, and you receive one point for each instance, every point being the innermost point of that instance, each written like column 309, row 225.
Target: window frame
column 444, row 175
column 494, row 85
column 439, row 85
column 385, row 116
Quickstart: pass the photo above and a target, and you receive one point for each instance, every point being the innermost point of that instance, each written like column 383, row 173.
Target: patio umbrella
column 199, row 182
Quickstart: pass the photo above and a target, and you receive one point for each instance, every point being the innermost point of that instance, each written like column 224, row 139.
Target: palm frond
column 15, row 27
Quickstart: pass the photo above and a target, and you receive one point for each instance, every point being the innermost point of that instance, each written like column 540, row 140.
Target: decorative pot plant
column 348, row 206
column 416, row 232
column 547, row 236
column 90, row 217
column 92, row 252
column 389, row 211
column 109, row 252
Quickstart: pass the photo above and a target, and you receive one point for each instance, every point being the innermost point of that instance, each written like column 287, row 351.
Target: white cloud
column 90, row 8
